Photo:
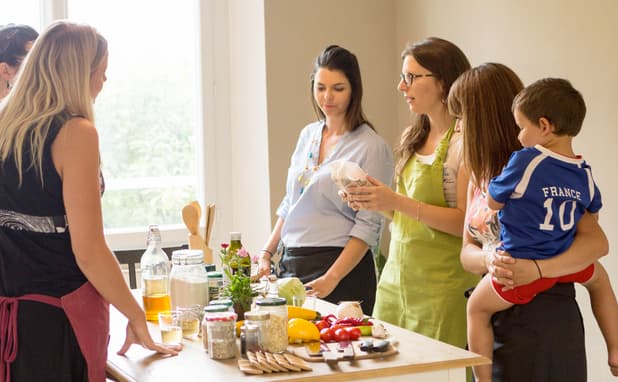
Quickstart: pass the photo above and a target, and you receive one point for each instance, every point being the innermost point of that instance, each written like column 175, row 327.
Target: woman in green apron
column 423, row 283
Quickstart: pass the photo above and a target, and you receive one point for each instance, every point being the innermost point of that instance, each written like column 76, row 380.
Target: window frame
column 210, row 23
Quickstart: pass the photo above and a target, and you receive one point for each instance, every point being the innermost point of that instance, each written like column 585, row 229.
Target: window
column 22, row 12
column 149, row 113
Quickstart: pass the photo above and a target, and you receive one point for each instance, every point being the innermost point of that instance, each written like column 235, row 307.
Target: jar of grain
column 221, row 335
column 210, row 310
column 277, row 332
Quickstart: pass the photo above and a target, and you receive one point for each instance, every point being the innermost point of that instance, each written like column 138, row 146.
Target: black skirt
column 542, row 341
column 309, row 263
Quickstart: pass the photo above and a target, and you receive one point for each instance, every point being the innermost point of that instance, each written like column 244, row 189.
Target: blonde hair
column 54, row 82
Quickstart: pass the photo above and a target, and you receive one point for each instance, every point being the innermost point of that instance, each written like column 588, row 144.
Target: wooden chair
column 131, row 257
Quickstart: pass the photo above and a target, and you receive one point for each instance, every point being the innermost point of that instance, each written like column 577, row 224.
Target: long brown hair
column 482, row 98
column 446, row 62
column 337, row 58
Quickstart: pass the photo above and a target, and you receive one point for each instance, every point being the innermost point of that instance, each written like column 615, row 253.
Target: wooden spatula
column 190, row 215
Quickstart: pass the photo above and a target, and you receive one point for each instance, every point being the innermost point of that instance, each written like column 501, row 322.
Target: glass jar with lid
column 188, row 279
column 221, row 335
column 209, row 310
column 227, row 302
column 261, row 320
column 215, row 284
column 277, row 332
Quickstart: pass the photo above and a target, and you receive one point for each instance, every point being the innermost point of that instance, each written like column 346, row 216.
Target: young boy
column 541, row 194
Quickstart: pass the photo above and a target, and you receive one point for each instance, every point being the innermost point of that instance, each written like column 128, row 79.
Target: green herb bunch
column 239, row 287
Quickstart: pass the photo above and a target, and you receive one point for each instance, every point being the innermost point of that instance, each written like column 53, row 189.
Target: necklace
column 311, row 167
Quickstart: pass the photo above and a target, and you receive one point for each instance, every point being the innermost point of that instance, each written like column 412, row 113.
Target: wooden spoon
column 197, row 206
column 191, row 219
column 210, row 222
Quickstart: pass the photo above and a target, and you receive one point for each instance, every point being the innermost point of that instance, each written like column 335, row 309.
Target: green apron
column 423, row 282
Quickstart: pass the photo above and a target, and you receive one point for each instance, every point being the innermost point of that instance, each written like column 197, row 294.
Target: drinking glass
column 170, row 325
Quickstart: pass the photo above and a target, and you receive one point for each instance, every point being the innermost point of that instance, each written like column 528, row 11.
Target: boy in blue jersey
column 542, row 193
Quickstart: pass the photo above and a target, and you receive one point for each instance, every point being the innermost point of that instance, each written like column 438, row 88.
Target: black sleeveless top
column 35, row 242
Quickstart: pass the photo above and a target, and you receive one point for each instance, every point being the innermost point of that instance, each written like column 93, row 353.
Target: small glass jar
column 215, row 284
column 227, row 302
column 261, row 320
column 221, row 335
column 190, row 318
column 249, row 339
column 277, row 332
column 188, row 279
column 209, row 310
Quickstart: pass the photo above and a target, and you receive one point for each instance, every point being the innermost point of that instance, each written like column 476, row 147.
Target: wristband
column 267, row 251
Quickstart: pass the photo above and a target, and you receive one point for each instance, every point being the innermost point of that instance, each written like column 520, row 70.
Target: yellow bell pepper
column 300, row 312
column 300, row 330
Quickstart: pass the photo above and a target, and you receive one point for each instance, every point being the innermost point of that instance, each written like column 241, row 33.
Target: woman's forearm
column 103, row 271
column 349, row 258
column 590, row 244
column 473, row 258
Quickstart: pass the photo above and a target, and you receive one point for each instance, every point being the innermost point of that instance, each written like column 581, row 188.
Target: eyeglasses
column 408, row 78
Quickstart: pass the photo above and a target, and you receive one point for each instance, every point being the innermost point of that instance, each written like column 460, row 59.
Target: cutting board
column 301, row 351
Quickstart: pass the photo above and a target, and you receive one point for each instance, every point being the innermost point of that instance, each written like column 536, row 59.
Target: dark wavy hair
column 340, row 59
column 446, row 62
column 13, row 40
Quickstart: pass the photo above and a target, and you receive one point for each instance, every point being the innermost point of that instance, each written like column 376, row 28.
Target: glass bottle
column 232, row 251
column 155, row 269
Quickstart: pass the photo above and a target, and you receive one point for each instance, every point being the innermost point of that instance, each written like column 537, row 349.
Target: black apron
column 309, row 263
column 542, row 341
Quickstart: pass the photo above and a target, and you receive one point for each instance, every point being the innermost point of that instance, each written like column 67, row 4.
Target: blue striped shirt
column 314, row 215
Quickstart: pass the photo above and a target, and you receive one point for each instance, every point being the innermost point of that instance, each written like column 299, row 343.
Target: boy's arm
column 492, row 204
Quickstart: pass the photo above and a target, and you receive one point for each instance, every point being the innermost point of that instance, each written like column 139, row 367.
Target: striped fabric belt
column 42, row 224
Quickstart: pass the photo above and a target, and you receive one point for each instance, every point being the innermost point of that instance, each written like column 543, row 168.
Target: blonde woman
column 58, row 275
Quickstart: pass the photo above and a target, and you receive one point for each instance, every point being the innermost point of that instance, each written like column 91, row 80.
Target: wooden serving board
column 301, row 351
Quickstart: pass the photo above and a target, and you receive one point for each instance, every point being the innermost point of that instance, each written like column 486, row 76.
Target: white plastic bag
column 346, row 174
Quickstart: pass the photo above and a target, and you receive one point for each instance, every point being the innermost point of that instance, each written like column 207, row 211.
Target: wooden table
column 420, row 359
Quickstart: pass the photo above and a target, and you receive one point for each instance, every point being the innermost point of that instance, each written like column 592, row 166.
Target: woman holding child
column 550, row 327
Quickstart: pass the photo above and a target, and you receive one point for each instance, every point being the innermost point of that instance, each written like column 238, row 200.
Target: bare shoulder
column 77, row 132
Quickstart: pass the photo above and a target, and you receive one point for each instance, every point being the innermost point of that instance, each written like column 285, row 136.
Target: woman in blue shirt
column 327, row 244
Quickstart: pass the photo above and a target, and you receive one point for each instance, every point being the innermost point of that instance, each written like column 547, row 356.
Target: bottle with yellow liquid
column 155, row 268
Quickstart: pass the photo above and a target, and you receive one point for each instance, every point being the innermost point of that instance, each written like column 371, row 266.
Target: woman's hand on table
column 137, row 333
column 511, row 272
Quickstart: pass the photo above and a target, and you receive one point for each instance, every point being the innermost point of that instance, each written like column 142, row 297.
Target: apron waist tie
column 8, row 328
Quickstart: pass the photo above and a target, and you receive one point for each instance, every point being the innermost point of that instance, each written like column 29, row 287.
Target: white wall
column 296, row 32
